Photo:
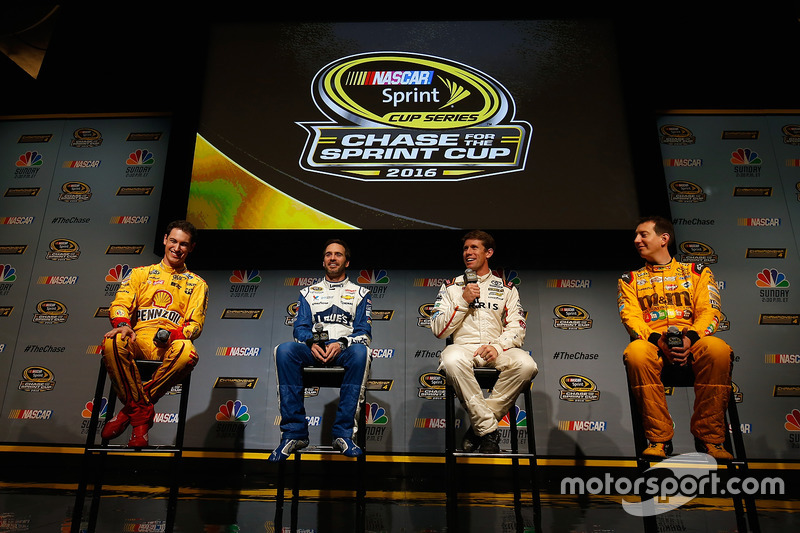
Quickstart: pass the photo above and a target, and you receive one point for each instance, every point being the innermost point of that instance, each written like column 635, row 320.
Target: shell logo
column 162, row 299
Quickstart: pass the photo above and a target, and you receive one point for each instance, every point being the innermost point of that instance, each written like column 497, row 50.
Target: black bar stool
column 95, row 453
column 324, row 377
column 487, row 377
column 674, row 376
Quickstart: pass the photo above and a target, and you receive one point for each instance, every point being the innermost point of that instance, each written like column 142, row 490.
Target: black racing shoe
column 490, row 443
column 471, row 441
column 286, row 448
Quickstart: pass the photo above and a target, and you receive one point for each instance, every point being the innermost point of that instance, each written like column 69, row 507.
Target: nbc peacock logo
column 116, row 276
column 792, row 425
column 8, row 274
column 510, row 276
column 88, row 408
column 377, row 281
column 746, row 163
column 140, row 157
column 30, row 159
column 245, row 276
column 377, row 422
column 244, row 283
column 792, row 421
column 745, row 156
column 774, row 286
column 520, row 417
column 373, row 277
column 28, row 164
column 376, row 415
column 233, row 411
column 118, row 273
column 770, row 277
column 139, row 164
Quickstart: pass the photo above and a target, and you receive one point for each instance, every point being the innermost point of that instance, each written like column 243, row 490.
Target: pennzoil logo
column 571, row 317
column 576, row 388
column 50, row 312
column 398, row 116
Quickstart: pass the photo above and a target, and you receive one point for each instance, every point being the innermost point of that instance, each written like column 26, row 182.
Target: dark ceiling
column 104, row 57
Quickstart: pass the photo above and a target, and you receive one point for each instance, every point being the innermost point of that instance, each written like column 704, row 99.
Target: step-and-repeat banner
column 79, row 210
column 734, row 188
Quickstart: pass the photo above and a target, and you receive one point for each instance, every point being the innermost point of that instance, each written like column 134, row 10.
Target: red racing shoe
column 142, row 420
column 117, row 425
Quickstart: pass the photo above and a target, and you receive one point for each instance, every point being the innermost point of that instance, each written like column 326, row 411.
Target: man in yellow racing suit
column 667, row 293
column 157, row 312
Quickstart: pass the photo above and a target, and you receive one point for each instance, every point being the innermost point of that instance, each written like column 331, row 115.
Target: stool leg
column 532, row 465
column 361, row 491
column 512, row 419
column 450, row 459
column 80, row 495
column 741, row 458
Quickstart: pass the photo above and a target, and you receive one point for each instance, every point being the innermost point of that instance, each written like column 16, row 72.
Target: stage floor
column 225, row 493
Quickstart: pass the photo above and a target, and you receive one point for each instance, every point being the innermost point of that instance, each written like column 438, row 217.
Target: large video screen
column 510, row 125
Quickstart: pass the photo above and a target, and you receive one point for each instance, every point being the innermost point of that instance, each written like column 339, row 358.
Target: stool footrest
column 124, row 449
column 499, row 455
column 317, row 449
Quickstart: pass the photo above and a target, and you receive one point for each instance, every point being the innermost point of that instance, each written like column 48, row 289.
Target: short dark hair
column 185, row 226
column 339, row 242
column 479, row 235
column 662, row 225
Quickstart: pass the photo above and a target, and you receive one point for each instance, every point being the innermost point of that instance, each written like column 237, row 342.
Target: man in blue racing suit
column 340, row 310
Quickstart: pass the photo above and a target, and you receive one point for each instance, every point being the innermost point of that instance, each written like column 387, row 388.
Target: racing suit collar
column 659, row 268
column 333, row 284
column 165, row 267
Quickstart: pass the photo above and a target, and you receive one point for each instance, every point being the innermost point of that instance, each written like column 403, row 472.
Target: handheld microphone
column 320, row 336
column 161, row 337
column 471, row 277
column 674, row 337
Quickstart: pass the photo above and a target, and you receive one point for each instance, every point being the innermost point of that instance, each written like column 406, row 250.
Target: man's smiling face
column 476, row 256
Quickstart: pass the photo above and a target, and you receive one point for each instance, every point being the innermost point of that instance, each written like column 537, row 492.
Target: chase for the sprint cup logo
column 398, row 116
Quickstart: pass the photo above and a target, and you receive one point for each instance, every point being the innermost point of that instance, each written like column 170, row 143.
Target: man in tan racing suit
column 485, row 320
column 667, row 293
column 157, row 312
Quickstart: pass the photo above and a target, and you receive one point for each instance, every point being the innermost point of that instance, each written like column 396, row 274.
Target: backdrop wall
column 80, row 208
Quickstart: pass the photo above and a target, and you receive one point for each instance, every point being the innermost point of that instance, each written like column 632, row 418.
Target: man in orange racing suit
column 157, row 312
column 667, row 293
